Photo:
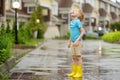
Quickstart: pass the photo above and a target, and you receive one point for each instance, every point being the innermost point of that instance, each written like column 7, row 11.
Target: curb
column 11, row 62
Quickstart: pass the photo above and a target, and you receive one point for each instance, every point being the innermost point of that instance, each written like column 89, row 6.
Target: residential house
column 64, row 9
column 63, row 15
column 27, row 6
column 22, row 13
column 47, row 7
column 98, row 13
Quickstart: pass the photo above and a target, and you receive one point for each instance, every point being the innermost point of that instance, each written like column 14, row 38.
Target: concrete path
column 52, row 61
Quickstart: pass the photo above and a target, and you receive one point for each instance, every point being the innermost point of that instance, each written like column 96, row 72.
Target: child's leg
column 75, row 60
column 78, row 55
column 79, row 60
column 79, row 66
column 73, row 66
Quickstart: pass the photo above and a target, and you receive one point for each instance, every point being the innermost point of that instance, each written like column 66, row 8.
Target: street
column 52, row 61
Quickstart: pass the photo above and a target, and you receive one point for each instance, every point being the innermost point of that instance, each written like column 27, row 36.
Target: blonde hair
column 81, row 15
column 76, row 6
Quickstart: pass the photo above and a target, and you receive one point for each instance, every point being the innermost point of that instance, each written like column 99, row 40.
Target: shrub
column 91, row 36
column 41, row 29
column 2, row 29
column 8, row 28
column 3, row 76
column 6, row 41
column 62, row 37
column 34, row 25
column 22, row 36
column 115, row 25
column 24, row 33
column 68, row 34
column 111, row 37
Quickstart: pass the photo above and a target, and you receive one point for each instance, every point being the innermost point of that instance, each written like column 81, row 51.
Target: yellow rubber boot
column 73, row 70
column 78, row 72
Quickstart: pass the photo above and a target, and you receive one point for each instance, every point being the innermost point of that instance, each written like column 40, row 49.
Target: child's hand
column 76, row 43
column 69, row 45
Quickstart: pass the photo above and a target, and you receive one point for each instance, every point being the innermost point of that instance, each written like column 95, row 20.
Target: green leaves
column 3, row 76
column 6, row 42
column 112, row 37
column 37, row 26
column 115, row 25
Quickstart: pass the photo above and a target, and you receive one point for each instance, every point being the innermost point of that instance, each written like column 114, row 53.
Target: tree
column 8, row 27
column 2, row 31
column 40, row 24
column 37, row 26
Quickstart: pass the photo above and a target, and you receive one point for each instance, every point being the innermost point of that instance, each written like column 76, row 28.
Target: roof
column 20, row 12
column 64, row 3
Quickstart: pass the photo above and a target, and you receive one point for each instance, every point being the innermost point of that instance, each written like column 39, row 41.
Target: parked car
column 100, row 31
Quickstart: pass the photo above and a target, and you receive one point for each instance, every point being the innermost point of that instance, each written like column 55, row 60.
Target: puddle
column 54, row 63
column 21, row 76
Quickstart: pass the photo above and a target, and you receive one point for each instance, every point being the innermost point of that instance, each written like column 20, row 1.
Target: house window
column 55, row 8
column 64, row 16
column 103, row 5
column 7, row 4
column 90, row 2
column 101, row 23
column 79, row 1
column 113, row 9
column 86, row 23
column 45, row 12
column 30, row 9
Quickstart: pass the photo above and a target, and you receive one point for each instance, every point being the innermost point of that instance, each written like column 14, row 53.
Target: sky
column 115, row 0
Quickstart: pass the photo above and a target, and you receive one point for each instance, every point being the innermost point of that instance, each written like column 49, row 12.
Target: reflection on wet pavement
column 52, row 61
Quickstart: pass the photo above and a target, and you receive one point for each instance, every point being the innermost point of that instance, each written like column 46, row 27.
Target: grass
column 61, row 37
column 34, row 42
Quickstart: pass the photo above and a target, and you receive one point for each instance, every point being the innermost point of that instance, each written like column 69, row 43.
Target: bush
column 8, row 28
column 62, row 37
column 6, row 41
column 112, row 37
column 22, row 38
column 24, row 33
column 3, row 76
column 90, row 36
column 115, row 25
column 41, row 30
column 2, row 29
column 68, row 34
column 34, row 25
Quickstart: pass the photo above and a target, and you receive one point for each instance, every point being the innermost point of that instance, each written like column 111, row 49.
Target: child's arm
column 82, row 33
column 69, row 43
column 76, row 43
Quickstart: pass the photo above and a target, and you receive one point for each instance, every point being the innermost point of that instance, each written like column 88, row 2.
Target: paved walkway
column 52, row 61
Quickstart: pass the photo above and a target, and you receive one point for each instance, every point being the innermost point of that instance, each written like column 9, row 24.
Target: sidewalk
column 52, row 61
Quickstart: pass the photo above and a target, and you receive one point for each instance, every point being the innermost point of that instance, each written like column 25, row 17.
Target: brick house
column 27, row 6
column 98, row 13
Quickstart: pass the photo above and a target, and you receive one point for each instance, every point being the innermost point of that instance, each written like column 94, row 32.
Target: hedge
column 112, row 37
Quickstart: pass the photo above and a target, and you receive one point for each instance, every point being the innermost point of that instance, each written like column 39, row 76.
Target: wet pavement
column 52, row 61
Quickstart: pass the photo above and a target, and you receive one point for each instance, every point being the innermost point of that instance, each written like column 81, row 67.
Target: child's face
column 74, row 13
